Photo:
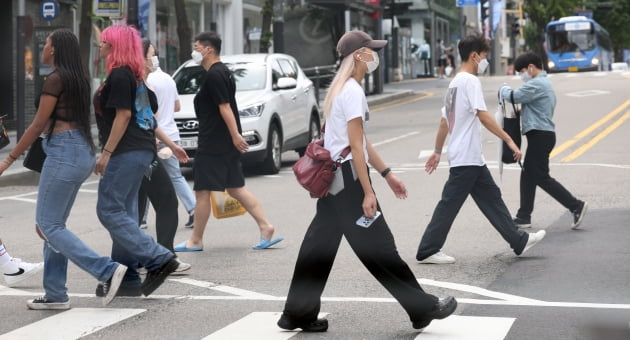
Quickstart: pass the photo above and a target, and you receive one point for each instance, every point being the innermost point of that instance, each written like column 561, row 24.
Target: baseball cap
column 354, row 40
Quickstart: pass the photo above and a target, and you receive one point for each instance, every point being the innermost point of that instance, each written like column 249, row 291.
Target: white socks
column 6, row 265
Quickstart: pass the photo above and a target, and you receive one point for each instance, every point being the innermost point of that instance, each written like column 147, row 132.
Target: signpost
column 49, row 10
column 113, row 9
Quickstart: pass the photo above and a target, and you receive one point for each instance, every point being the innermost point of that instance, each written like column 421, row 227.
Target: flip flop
column 181, row 248
column 264, row 244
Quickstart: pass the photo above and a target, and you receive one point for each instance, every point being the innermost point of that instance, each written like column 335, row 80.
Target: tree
column 85, row 34
column 539, row 13
column 266, row 36
column 183, row 30
column 614, row 16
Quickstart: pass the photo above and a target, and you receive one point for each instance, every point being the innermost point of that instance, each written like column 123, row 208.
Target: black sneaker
column 443, row 308
column 110, row 288
column 156, row 277
column 134, row 291
column 319, row 325
column 191, row 220
column 522, row 222
column 578, row 214
column 42, row 303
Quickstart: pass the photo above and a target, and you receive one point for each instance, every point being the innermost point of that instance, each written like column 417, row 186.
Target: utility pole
column 495, row 48
column 20, row 71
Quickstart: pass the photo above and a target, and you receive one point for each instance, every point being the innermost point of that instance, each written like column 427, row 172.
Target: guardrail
column 321, row 76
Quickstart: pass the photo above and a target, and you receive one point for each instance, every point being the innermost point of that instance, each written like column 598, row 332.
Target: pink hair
column 126, row 49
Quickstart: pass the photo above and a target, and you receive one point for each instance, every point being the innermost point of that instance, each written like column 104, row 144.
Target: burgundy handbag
column 315, row 170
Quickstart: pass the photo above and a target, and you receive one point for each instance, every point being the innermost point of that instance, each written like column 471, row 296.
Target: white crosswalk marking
column 257, row 325
column 457, row 327
column 72, row 324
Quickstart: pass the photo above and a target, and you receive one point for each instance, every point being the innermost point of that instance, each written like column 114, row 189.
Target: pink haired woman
column 127, row 131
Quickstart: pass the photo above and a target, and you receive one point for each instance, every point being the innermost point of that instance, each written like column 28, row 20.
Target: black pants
column 157, row 186
column 375, row 247
column 536, row 173
column 476, row 181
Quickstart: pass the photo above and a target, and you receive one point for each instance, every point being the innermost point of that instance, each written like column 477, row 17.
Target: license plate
column 188, row 143
column 573, row 69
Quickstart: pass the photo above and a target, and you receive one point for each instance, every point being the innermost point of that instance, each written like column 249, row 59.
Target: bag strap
column 516, row 112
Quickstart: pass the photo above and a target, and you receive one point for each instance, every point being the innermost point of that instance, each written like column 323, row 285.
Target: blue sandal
column 264, row 244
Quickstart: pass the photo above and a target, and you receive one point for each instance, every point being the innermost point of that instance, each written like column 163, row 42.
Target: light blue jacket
column 538, row 101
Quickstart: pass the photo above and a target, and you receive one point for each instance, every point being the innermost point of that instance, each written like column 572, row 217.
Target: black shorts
column 218, row 172
column 442, row 62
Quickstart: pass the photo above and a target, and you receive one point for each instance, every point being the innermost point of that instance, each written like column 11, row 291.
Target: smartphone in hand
column 366, row 222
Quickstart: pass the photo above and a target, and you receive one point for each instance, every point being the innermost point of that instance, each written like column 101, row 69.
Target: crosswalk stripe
column 257, row 325
column 71, row 324
column 457, row 327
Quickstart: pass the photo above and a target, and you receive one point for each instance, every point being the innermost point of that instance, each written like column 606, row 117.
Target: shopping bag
column 224, row 205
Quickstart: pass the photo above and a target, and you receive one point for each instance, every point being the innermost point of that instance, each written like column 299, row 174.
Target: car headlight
column 252, row 111
column 595, row 61
column 551, row 64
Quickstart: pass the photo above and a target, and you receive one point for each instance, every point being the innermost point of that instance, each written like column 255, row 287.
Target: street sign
column 114, row 9
column 49, row 10
column 464, row 3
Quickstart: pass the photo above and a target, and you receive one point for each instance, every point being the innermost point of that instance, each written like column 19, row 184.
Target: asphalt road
column 573, row 285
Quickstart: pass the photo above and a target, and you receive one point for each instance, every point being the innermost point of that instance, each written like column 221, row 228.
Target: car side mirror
column 286, row 83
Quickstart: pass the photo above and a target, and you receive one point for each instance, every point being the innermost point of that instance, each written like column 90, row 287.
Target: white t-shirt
column 349, row 104
column 166, row 92
column 461, row 102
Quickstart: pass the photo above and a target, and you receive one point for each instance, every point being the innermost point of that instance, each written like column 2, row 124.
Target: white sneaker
column 533, row 239
column 25, row 270
column 439, row 258
column 183, row 266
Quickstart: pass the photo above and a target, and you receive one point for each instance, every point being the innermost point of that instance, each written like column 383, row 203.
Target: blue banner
column 463, row 3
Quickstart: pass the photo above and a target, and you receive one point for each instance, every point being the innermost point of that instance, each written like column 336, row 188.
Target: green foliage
column 615, row 19
column 539, row 13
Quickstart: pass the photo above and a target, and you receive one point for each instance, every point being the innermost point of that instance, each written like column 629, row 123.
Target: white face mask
column 483, row 65
column 155, row 63
column 371, row 65
column 196, row 57
column 525, row 76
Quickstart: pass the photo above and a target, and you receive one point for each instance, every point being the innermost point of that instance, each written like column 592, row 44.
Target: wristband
column 438, row 151
column 107, row 150
column 385, row 172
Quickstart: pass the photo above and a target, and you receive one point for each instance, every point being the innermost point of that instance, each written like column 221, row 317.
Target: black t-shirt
column 217, row 88
column 119, row 91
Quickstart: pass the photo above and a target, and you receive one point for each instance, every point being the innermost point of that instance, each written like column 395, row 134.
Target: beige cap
column 354, row 40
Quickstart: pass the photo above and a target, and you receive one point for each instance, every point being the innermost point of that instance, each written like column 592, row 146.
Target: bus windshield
column 570, row 41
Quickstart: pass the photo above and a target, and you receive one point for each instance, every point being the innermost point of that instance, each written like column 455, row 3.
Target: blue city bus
column 576, row 44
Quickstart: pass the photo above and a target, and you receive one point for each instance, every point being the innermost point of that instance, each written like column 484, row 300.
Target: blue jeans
column 69, row 162
column 183, row 190
column 117, row 209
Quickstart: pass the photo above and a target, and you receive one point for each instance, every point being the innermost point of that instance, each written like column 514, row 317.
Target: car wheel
column 273, row 160
column 313, row 134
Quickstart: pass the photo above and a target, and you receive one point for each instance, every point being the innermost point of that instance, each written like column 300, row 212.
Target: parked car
column 276, row 103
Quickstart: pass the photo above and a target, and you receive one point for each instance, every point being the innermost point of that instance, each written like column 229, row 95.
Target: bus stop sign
column 49, row 9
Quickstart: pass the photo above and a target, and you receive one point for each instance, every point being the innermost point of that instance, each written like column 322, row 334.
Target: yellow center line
column 582, row 149
column 588, row 130
column 423, row 96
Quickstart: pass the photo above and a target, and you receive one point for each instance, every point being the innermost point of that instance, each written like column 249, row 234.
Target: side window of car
column 276, row 73
column 288, row 68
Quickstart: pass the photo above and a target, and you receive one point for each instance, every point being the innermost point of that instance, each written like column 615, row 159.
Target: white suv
column 276, row 103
